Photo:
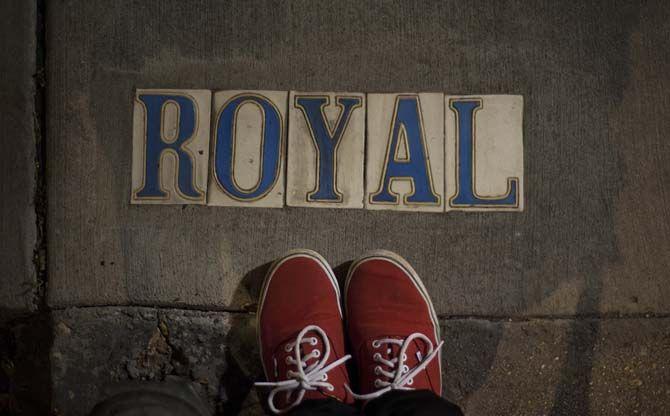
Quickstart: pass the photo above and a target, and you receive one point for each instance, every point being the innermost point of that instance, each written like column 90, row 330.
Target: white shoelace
column 308, row 376
column 401, row 375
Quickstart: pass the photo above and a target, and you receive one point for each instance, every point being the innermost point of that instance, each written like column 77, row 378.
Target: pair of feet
column 391, row 328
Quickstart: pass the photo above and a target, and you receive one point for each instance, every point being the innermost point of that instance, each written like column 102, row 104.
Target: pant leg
column 411, row 403
column 325, row 407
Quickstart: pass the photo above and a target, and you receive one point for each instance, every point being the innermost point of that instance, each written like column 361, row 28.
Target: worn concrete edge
column 442, row 317
column 37, row 291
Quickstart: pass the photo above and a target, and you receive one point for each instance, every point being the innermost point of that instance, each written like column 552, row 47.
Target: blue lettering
column 271, row 146
column 466, row 195
column 326, row 141
column 414, row 165
column 156, row 145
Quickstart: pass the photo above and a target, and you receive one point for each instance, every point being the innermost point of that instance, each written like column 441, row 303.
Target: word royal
column 413, row 152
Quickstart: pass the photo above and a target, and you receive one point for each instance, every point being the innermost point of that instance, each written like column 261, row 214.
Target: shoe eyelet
column 330, row 387
column 289, row 375
column 288, row 360
column 410, row 381
column 404, row 357
column 405, row 369
column 377, row 383
column 325, row 377
column 377, row 370
column 288, row 348
column 377, row 356
column 376, row 344
column 317, row 353
column 313, row 341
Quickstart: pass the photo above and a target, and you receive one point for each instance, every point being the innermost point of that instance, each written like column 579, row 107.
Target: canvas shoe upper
column 300, row 332
column 392, row 326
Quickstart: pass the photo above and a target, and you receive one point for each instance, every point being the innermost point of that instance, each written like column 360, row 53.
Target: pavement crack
column 39, row 130
column 556, row 317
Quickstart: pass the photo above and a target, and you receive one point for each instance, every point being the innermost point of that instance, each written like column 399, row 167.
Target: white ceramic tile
column 170, row 146
column 326, row 150
column 425, row 136
column 496, row 182
column 248, row 149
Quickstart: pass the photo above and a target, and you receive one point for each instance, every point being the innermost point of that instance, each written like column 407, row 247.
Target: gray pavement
column 560, row 310
column 534, row 367
column 593, row 238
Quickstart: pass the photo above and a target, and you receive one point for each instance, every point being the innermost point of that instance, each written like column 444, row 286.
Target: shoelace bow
column 400, row 375
column 308, row 376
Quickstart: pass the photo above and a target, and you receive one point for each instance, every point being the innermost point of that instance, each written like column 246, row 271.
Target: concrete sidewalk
column 559, row 310
column 593, row 238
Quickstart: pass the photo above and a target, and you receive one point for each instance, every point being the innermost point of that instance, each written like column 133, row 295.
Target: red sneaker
column 300, row 332
column 392, row 327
